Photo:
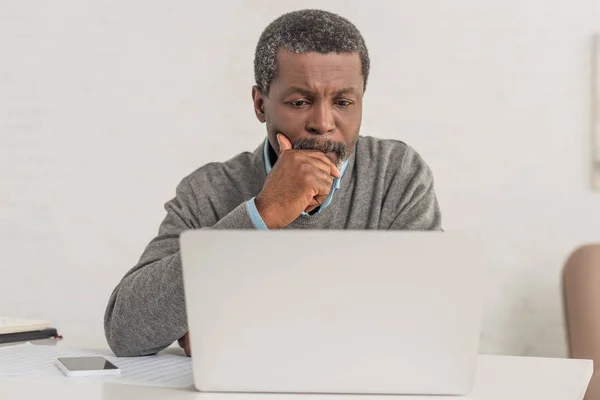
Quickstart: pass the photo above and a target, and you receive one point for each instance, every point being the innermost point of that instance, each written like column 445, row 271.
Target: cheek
column 349, row 126
column 288, row 122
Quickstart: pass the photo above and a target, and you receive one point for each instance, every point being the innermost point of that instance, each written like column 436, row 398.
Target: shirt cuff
column 255, row 216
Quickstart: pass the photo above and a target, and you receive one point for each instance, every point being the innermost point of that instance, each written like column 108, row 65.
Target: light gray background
column 106, row 105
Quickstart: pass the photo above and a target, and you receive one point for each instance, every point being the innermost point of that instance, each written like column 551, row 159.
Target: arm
column 582, row 303
column 418, row 208
column 146, row 311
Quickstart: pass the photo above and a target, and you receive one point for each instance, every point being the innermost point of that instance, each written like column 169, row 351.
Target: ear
column 258, row 99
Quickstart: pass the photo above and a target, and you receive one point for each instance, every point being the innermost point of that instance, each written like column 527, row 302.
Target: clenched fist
column 300, row 181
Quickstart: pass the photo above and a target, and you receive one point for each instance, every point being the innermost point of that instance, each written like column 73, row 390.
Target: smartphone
column 86, row 366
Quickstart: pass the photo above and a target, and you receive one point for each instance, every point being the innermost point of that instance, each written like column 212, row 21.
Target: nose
column 321, row 121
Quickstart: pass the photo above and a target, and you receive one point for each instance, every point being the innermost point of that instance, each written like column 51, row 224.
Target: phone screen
column 86, row 363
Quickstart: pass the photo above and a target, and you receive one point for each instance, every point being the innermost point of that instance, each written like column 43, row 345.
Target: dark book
column 30, row 335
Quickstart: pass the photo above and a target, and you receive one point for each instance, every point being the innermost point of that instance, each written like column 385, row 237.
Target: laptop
column 327, row 311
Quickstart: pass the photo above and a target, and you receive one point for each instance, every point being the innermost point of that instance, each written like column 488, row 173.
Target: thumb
column 284, row 143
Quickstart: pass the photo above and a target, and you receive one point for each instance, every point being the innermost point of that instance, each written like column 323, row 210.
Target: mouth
column 334, row 151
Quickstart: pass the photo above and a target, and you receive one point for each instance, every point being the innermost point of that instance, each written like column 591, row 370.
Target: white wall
column 105, row 106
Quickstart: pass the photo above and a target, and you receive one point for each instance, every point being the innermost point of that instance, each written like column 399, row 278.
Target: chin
column 337, row 161
column 333, row 157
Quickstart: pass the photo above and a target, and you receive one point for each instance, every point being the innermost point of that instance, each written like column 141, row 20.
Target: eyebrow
column 306, row 92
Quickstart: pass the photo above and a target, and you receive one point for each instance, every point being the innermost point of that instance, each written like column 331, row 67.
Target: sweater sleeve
column 418, row 207
column 146, row 311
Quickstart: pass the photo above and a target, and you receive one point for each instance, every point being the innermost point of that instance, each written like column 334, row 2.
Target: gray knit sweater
column 387, row 185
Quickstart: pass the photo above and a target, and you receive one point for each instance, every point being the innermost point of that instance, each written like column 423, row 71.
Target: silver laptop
column 322, row 311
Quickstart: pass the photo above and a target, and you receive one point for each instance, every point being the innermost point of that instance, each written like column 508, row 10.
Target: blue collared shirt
column 251, row 205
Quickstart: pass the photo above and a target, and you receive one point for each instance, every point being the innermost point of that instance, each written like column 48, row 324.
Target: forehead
column 318, row 72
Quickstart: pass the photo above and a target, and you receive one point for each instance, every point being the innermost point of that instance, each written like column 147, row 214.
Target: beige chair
column 582, row 307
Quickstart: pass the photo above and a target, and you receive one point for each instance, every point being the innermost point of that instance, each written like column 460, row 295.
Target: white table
column 497, row 378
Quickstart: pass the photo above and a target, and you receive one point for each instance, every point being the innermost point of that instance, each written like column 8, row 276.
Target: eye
column 298, row 103
column 343, row 103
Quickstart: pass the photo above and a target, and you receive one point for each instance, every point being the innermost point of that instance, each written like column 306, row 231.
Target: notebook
column 29, row 336
column 17, row 325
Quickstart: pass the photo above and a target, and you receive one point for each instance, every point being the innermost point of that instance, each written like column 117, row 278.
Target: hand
column 300, row 181
column 184, row 343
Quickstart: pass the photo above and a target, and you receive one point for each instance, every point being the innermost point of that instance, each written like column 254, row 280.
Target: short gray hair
column 306, row 31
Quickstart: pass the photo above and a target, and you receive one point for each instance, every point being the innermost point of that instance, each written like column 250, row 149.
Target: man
column 312, row 171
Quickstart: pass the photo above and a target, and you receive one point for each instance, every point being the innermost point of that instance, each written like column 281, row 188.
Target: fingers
column 329, row 166
column 324, row 166
column 284, row 143
column 187, row 347
column 321, row 183
column 317, row 201
column 184, row 343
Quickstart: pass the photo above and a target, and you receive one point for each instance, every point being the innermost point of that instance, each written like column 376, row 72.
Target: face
column 315, row 101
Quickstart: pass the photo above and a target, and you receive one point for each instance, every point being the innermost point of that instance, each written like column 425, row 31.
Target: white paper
column 163, row 370
column 13, row 325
